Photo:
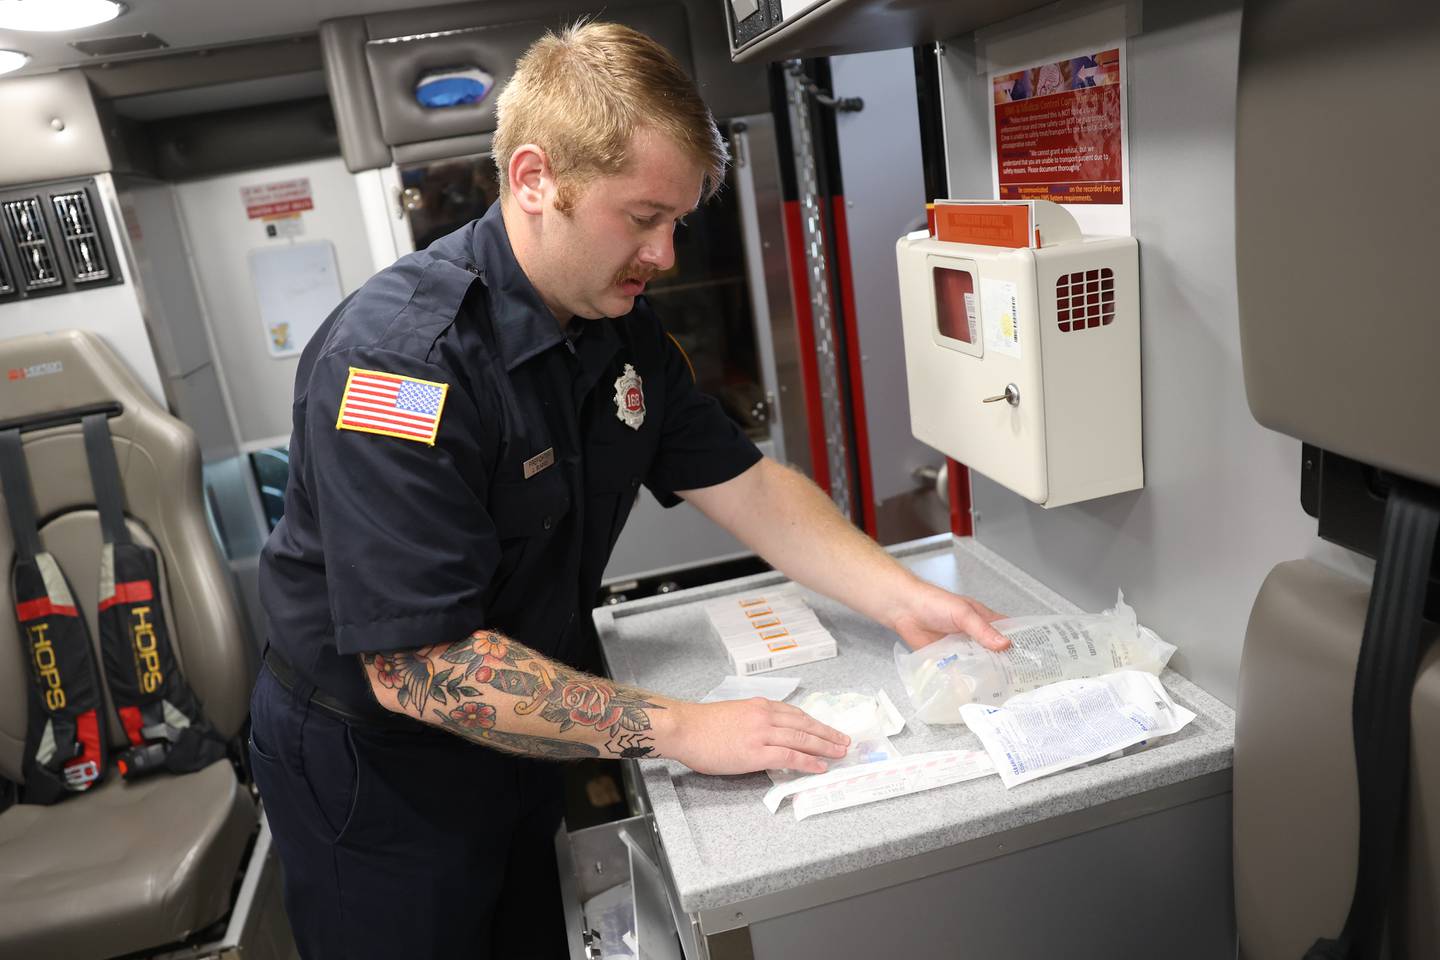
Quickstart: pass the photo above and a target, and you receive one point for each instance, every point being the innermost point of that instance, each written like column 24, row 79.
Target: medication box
column 769, row 631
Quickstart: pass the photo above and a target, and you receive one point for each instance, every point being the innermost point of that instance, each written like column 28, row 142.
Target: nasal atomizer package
column 946, row 675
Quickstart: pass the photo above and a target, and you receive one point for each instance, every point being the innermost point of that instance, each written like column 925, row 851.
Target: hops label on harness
column 65, row 741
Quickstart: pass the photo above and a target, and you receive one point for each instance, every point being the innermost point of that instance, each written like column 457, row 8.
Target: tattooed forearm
column 530, row 746
column 496, row 691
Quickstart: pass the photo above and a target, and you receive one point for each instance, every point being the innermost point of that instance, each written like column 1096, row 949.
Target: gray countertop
column 724, row 847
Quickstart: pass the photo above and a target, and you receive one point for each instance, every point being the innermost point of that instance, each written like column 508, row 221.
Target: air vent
column 1085, row 300
column 113, row 46
column 38, row 270
column 7, row 286
column 82, row 240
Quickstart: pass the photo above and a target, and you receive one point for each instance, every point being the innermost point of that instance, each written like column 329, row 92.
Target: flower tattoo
column 491, row 645
column 450, row 678
column 474, row 716
column 590, row 704
column 387, row 671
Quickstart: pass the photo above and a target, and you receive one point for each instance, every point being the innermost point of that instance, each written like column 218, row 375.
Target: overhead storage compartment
column 763, row 30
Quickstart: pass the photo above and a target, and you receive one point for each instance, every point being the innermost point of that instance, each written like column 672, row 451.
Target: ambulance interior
column 1210, row 382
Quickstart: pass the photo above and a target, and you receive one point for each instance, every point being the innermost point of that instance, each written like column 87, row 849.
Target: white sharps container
column 1022, row 348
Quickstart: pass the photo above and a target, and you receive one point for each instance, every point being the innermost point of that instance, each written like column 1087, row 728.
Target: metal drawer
column 597, row 859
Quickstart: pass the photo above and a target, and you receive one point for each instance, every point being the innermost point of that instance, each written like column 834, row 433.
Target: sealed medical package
column 869, row 720
column 1073, row 722
column 944, row 676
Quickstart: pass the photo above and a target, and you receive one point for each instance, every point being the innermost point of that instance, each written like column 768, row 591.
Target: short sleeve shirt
column 458, row 463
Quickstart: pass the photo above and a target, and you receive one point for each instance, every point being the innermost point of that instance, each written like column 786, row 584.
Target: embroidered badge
column 630, row 398
column 545, row 458
column 391, row 405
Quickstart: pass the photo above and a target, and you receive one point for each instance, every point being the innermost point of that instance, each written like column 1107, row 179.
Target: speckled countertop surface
column 723, row 846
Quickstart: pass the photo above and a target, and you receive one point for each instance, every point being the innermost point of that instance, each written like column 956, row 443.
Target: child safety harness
column 65, row 744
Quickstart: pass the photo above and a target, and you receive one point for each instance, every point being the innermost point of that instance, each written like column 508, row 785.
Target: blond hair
column 582, row 94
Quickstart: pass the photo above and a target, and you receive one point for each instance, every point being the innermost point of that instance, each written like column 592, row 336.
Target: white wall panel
column 221, row 237
column 1221, row 501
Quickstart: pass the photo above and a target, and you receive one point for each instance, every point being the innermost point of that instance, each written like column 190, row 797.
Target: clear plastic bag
column 944, row 676
column 611, row 914
column 869, row 720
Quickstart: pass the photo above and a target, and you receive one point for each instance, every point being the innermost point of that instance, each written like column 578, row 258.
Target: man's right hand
column 744, row 736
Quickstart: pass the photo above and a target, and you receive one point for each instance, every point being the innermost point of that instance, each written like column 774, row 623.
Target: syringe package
column 942, row 677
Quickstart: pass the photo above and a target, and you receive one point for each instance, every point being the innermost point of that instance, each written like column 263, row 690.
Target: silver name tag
column 540, row 461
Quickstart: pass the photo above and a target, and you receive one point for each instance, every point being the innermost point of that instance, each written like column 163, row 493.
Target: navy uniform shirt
column 507, row 519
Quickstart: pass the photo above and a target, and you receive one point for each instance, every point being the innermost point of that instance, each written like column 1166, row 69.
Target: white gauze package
column 944, row 676
column 869, row 720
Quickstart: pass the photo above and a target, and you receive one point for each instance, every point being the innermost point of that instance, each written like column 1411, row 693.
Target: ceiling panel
column 193, row 23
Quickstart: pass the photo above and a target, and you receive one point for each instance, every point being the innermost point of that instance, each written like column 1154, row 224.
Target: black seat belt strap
column 105, row 477
column 161, row 716
column 19, row 498
column 65, row 720
column 1390, row 652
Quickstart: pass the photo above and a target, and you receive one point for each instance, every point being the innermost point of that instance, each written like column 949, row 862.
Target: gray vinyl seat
column 1339, row 342
column 1297, row 807
column 126, row 867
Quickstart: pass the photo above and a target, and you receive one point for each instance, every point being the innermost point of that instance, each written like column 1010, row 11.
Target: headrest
column 1336, row 203
column 49, row 372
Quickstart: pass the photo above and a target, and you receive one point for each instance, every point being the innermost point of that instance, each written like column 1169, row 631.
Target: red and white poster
column 1058, row 128
column 284, row 198
column 1059, row 131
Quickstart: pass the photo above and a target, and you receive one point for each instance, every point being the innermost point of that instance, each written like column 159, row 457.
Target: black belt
column 306, row 691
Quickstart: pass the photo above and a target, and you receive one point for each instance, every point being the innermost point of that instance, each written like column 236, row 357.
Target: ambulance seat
column 1296, row 802
column 125, row 867
column 1335, row 195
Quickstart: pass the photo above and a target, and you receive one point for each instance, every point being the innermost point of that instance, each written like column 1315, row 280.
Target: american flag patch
column 392, row 405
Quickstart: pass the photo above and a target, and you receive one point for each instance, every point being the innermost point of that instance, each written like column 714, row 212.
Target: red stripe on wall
column 805, row 337
column 857, row 385
column 962, row 524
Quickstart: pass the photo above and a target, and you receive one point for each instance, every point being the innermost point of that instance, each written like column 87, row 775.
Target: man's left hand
column 930, row 613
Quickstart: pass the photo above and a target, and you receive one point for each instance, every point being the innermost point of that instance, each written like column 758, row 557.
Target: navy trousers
column 406, row 844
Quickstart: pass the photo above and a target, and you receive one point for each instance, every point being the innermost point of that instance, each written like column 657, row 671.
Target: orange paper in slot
column 990, row 224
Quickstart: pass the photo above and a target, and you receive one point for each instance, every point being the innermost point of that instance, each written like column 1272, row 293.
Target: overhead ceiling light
column 12, row 60
column 51, row 15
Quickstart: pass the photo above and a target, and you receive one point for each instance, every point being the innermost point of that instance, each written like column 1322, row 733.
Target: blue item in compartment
column 453, row 87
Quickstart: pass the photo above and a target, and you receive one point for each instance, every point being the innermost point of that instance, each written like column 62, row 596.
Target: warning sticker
column 1000, row 302
column 268, row 200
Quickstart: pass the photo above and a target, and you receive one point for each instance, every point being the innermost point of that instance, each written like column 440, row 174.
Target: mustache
column 637, row 272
